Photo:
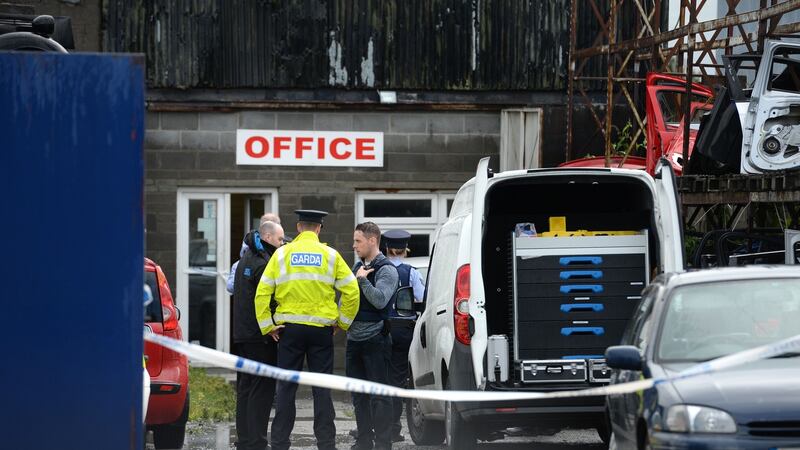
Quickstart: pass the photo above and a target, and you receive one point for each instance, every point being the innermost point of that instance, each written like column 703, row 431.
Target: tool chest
column 572, row 298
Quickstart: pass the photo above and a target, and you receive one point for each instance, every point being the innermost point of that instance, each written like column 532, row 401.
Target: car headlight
column 698, row 419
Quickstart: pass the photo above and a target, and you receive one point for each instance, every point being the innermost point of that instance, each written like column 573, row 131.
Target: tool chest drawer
column 587, row 261
column 572, row 289
column 537, row 309
column 559, row 353
column 566, row 334
column 583, row 275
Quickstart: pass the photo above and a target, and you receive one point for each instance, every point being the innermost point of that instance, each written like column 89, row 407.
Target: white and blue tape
column 328, row 381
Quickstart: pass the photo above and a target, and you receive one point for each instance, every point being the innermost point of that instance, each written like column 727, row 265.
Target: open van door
column 670, row 222
column 477, row 298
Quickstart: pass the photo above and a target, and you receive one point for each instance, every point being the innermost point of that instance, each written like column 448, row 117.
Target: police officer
column 302, row 277
column 254, row 394
column 396, row 242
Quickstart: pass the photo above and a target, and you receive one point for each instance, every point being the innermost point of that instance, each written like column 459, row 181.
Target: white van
column 507, row 310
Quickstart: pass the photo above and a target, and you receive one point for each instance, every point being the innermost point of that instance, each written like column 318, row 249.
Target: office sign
column 309, row 148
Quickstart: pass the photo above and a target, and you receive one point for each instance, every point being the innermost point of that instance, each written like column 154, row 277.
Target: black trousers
column 314, row 344
column 254, row 397
column 369, row 360
column 402, row 333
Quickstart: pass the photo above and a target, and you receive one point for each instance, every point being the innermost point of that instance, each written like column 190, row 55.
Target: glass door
column 201, row 267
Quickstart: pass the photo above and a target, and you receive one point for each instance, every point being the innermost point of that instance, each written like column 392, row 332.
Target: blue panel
column 71, row 172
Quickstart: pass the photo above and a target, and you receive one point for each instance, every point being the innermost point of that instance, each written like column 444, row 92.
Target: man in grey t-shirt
column 369, row 344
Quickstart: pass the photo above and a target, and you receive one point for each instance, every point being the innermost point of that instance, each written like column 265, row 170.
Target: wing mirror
column 404, row 302
column 626, row 357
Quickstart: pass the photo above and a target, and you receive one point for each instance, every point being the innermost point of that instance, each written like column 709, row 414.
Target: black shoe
column 398, row 438
column 353, row 433
column 359, row 447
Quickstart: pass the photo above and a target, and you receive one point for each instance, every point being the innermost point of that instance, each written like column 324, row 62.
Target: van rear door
column 477, row 298
column 670, row 223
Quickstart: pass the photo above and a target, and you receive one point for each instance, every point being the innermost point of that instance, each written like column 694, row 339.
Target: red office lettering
column 365, row 148
column 248, row 147
column 281, row 143
column 335, row 143
column 302, row 144
column 321, row 148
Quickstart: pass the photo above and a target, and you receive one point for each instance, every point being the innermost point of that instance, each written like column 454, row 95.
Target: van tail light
column 461, row 305
column 170, row 316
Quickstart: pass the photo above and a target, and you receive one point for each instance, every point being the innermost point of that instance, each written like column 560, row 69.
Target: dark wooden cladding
column 389, row 44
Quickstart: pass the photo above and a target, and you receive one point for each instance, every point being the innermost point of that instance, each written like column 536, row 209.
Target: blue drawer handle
column 569, row 331
column 570, row 274
column 567, row 260
column 596, row 307
column 569, row 288
column 583, row 357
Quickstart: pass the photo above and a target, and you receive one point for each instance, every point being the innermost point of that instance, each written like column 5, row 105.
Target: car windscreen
column 152, row 312
column 706, row 321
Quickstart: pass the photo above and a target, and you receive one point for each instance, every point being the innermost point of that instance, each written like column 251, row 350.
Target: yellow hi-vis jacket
column 303, row 275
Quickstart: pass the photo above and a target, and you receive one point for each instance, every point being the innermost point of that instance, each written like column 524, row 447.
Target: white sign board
column 309, row 148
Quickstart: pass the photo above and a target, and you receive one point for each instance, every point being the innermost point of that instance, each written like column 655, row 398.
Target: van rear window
column 152, row 312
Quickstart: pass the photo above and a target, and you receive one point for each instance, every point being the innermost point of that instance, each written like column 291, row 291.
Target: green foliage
column 624, row 137
column 213, row 398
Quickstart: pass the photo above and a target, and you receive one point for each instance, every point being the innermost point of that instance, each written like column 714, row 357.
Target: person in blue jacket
column 402, row 327
column 229, row 285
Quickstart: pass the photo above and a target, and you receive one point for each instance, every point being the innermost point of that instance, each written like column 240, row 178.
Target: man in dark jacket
column 254, row 394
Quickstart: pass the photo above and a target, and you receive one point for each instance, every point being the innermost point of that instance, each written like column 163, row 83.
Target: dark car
column 685, row 319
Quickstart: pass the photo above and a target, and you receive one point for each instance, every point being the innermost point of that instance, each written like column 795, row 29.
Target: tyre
column 23, row 41
column 422, row 430
column 171, row 435
column 458, row 434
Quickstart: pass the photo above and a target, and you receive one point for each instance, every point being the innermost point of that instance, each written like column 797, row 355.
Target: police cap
column 397, row 238
column 310, row 215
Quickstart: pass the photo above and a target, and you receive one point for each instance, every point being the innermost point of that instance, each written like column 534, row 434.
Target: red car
column 168, row 408
column 664, row 107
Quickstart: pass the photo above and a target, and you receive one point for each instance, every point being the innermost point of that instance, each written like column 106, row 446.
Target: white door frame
column 223, row 197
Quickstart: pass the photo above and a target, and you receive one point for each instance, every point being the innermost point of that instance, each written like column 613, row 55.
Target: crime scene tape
column 338, row 382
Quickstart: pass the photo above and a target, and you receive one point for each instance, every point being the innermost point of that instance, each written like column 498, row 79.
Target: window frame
column 414, row 225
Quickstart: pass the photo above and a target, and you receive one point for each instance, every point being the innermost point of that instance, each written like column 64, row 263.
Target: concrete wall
column 422, row 150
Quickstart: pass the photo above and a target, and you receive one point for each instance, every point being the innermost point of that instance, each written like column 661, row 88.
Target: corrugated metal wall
column 397, row 44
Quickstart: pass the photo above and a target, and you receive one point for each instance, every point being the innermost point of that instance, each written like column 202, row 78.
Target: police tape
column 337, row 382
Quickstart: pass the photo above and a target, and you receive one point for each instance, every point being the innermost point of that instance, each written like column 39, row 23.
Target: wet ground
column 218, row 436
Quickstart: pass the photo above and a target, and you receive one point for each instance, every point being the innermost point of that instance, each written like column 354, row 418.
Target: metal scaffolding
column 634, row 38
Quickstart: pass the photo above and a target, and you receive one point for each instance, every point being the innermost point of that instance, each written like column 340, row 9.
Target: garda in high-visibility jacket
column 303, row 275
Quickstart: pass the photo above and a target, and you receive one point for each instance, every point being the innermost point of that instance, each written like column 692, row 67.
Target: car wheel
column 422, row 430
column 458, row 434
column 171, row 435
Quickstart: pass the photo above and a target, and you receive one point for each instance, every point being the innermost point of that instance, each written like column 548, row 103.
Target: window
column 785, row 73
column 673, row 105
column 706, row 321
column 520, row 131
column 418, row 213
column 152, row 311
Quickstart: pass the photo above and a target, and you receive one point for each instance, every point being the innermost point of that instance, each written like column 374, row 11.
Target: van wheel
column 422, row 430
column 172, row 435
column 459, row 435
